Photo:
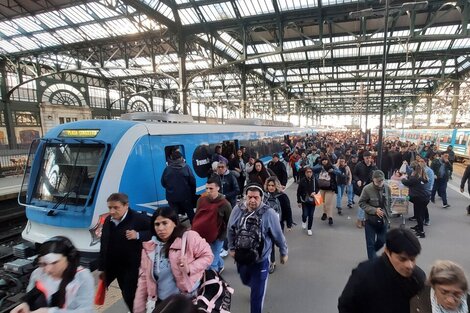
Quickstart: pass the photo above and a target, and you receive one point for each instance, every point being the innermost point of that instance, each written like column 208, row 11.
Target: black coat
column 286, row 209
column 178, row 181
column 306, row 187
column 375, row 287
column 466, row 178
column 117, row 253
column 279, row 169
column 417, row 188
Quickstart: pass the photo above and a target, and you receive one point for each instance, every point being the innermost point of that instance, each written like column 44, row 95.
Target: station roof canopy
column 326, row 55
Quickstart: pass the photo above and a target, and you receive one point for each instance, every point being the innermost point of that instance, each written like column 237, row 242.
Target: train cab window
column 169, row 150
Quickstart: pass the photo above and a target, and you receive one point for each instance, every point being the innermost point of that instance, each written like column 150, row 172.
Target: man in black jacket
column 279, row 169
column 466, row 178
column 228, row 183
column 180, row 185
column 362, row 175
column 124, row 230
column 385, row 284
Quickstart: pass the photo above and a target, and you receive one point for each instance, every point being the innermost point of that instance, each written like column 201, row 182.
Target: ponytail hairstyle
column 62, row 245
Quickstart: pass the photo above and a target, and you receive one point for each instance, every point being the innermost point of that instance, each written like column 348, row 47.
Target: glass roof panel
column 315, row 55
column 94, row 31
column 398, row 48
column 182, row 1
column 161, row 7
column 188, row 16
column 293, row 44
column 461, row 43
column 47, row 39
column 8, row 47
column 122, row 26
column 69, row 35
column 77, row 14
column 102, row 11
column 218, row 11
column 51, row 19
column 335, row 2
column 25, row 42
column 442, row 30
column 430, row 71
column 286, row 5
column 272, row 58
column 254, row 7
column 28, row 23
column 9, row 28
column 435, row 45
column 263, row 48
column 232, row 41
column 294, row 56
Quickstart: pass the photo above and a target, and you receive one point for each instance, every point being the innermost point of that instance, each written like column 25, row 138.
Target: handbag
column 375, row 221
column 100, row 292
column 214, row 294
column 318, row 199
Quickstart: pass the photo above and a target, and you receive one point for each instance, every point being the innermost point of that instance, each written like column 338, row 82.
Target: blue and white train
column 459, row 138
column 76, row 166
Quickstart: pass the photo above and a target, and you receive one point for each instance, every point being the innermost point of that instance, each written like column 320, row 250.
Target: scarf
column 437, row 308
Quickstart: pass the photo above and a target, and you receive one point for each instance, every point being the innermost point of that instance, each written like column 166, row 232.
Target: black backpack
column 273, row 202
column 248, row 238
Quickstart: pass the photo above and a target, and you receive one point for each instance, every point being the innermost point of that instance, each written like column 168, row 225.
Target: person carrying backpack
column 252, row 228
column 211, row 219
column 327, row 184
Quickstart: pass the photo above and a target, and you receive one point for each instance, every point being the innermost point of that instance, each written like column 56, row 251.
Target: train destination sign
column 79, row 133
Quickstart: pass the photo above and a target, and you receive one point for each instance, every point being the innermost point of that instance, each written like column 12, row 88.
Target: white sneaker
column 223, row 253
column 309, row 232
column 304, row 225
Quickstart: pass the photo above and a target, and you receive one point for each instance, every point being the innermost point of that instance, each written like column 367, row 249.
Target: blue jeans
column 350, row 191
column 339, row 196
column 307, row 214
column 217, row 262
column 375, row 239
column 255, row 276
column 440, row 186
column 361, row 215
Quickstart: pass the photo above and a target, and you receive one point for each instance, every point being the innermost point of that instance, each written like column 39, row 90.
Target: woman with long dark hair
column 419, row 195
column 59, row 285
column 259, row 173
column 165, row 270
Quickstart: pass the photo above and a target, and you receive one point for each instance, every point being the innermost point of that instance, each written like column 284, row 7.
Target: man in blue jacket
column 180, row 185
column 255, row 220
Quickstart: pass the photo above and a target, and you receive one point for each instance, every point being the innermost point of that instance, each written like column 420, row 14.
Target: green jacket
column 370, row 199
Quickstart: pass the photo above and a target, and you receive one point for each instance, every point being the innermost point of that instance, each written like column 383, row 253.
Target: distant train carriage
column 458, row 138
column 76, row 166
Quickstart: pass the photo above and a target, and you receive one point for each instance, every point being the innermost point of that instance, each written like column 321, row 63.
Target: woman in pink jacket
column 164, row 271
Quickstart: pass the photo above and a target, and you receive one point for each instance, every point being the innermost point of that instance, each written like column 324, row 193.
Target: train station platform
column 10, row 186
column 319, row 265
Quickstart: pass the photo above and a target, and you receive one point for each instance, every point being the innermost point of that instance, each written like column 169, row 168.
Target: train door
column 229, row 147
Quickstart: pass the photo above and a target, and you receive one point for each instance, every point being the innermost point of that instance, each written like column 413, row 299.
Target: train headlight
column 97, row 229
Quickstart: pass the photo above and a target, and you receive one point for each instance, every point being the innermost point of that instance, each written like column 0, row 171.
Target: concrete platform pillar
column 428, row 110
column 455, row 103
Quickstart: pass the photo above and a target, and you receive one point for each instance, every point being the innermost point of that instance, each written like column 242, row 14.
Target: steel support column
column 455, row 103
column 428, row 110
column 7, row 107
column 243, row 91
column 182, row 78
column 413, row 113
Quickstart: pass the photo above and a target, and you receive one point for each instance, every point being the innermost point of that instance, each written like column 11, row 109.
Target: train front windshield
column 67, row 173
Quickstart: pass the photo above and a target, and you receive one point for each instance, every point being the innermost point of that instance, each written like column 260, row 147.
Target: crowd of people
column 159, row 261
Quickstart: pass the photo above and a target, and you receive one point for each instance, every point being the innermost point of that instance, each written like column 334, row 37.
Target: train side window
column 169, row 150
column 229, row 147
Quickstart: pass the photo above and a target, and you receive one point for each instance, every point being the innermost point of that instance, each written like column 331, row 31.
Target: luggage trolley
column 400, row 202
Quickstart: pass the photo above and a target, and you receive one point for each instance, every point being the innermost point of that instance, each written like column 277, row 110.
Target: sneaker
column 304, row 225
column 427, row 223
column 330, row 221
column 414, row 227
column 349, row 205
column 421, row 234
column 272, row 268
column 309, row 232
column 412, row 218
column 445, row 206
column 323, row 217
column 433, row 200
column 223, row 253
column 340, row 211
column 359, row 224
